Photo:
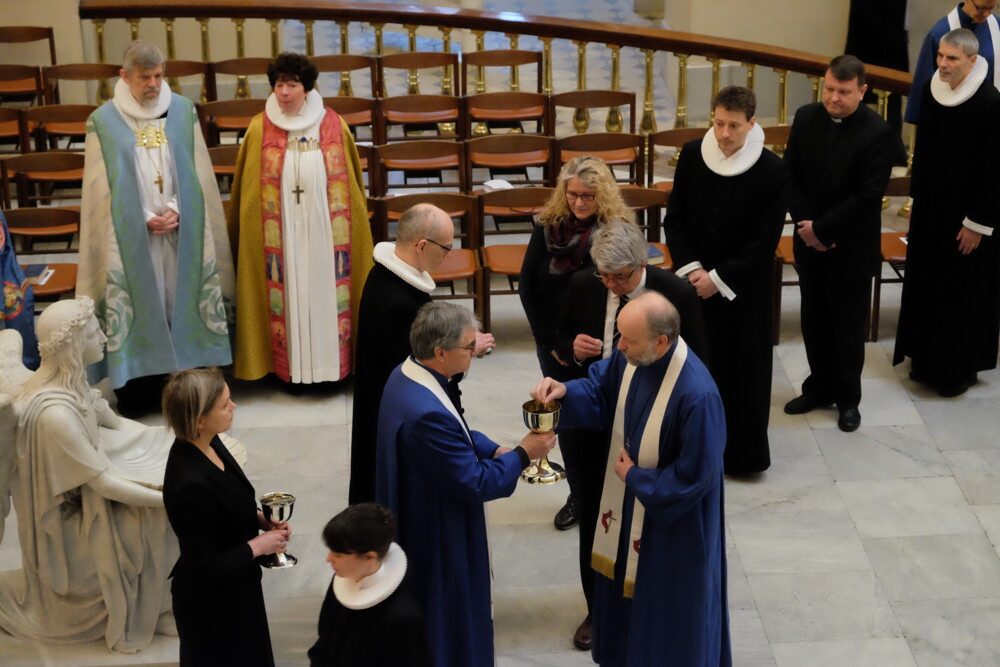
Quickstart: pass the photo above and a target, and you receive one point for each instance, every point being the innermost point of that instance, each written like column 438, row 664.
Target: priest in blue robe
column 660, row 543
column 974, row 15
column 435, row 474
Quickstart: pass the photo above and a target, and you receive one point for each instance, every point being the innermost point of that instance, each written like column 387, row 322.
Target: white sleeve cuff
column 976, row 227
column 687, row 268
column 724, row 289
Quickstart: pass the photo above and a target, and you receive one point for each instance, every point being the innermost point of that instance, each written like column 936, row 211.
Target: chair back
column 51, row 76
column 413, row 61
column 512, row 58
column 347, row 63
column 593, row 99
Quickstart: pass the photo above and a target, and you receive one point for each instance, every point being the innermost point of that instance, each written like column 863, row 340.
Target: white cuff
column 976, row 227
column 724, row 289
column 687, row 268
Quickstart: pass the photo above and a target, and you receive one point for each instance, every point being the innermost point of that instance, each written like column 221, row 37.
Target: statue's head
column 69, row 329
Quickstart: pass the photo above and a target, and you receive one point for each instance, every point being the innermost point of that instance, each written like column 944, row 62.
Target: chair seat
column 509, row 211
column 524, row 113
column 42, row 232
column 412, row 117
column 10, row 128
column 68, row 176
column 616, row 156
column 230, row 123
column 396, row 215
column 507, row 160
column 668, row 261
column 457, row 265
column 17, row 87
column 664, row 186
column 785, row 250
column 224, row 169
column 75, row 128
column 62, row 281
column 505, row 259
column 893, row 247
column 429, row 163
column 357, row 118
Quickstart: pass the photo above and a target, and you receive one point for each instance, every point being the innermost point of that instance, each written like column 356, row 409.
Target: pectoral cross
column 159, row 182
column 297, row 191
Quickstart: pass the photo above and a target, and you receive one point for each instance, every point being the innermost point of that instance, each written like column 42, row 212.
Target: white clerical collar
column 385, row 254
column 947, row 97
column 738, row 162
column 129, row 107
column 376, row 587
column 310, row 113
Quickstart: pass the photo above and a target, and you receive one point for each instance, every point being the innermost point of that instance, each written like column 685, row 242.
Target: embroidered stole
column 609, row 523
column 274, row 145
column 994, row 25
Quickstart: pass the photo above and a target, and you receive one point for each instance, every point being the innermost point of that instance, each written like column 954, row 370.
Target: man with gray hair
column 588, row 333
column 949, row 318
column 435, row 474
column 660, row 539
column 397, row 286
column 154, row 254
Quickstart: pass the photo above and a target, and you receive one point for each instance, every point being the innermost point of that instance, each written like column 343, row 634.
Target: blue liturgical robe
column 927, row 58
column 435, row 476
column 678, row 615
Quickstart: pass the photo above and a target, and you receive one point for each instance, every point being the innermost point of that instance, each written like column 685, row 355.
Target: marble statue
column 96, row 546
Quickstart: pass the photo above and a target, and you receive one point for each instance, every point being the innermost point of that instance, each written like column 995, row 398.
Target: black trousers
column 834, row 312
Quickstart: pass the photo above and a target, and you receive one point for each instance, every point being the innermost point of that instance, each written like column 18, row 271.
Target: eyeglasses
column 615, row 277
column 446, row 248
column 471, row 347
column 984, row 8
column 585, row 197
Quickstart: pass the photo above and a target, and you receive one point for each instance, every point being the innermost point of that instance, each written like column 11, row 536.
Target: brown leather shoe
column 581, row 639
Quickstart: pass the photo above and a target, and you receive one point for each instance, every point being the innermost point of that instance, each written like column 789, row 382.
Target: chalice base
column 279, row 561
column 543, row 471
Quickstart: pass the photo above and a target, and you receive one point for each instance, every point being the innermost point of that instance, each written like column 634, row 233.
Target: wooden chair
column 50, row 169
column 517, row 205
column 616, row 149
column 227, row 116
column 649, row 204
column 236, row 67
column 893, row 254
column 418, row 113
column 95, row 72
column 61, row 282
column 495, row 110
column 593, row 99
column 460, row 263
column 414, row 61
column 510, row 114
column 348, row 63
column 51, row 122
column 504, row 154
column 358, row 112
column 178, row 69
column 776, row 136
column 29, row 87
column 32, row 224
column 419, row 159
column 24, row 82
column 667, row 139
column 11, row 129
column 224, row 164
column 366, row 153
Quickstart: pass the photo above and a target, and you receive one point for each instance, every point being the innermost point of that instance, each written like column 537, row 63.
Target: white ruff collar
column 375, row 587
column 310, row 113
column 385, row 254
column 129, row 107
column 947, row 97
column 738, row 162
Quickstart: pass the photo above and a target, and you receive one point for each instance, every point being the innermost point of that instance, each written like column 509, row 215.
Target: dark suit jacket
column 586, row 303
column 841, row 193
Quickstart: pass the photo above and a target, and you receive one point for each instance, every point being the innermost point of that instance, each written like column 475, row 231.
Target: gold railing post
column 751, row 73
column 716, row 78
column 206, row 55
column 378, row 28
column 779, row 149
column 816, row 84
column 168, row 25
column 242, row 83
column 134, row 28
column 103, row 89
column 614, row 121
column 681, row 117
column 310, row 44
column 647, row 125
column 413, row 77
column 883, row 110
column 546, row 64
column 515, row 77
column 345, row 48
column 447, row 86
column 481, row 129
column 275, row 46
column 904, row 210
column 581, row 117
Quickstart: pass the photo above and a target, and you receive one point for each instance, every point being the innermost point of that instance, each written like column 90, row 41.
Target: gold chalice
column 542, row 418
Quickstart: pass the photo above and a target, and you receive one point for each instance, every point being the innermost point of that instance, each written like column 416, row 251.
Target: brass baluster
column 681, row 118
column 242, row 83
column 716, row 78
column 515, row 78
column 310, row 44
column 751, row 74
column 816, row 85
column 446, row 129
column 648, row 124
column 173, row 81
column 883, row 110
column 481, row 129
column 614, row 122
column 779, row 149
column 206, row 56
column 103, row 89
column 413, row 78
column 546, row 65
column 904, row 210
column 378, row 27
column 345, row 77
column 581, row 117
column 134, row 28
column 275, row 46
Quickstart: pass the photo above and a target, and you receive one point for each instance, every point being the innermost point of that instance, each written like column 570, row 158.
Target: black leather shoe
column 567, row 517
column 582, row 637
column 956, row 388
column 803, row 404
column 849, row 420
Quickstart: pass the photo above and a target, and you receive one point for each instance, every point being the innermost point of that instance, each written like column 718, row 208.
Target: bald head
column 649, row 325
column 421, row 222
column 424, row 236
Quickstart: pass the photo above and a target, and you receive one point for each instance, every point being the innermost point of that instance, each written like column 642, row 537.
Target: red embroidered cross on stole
column 272, row 160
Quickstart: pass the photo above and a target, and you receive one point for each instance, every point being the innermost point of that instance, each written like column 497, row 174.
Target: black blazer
column 586, row 303
column 841, row 193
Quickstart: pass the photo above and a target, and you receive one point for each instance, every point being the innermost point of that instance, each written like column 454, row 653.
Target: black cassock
column 949, row 319
column 732, row 224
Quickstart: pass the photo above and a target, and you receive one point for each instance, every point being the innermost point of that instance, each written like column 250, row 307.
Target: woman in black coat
column 217, row 597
